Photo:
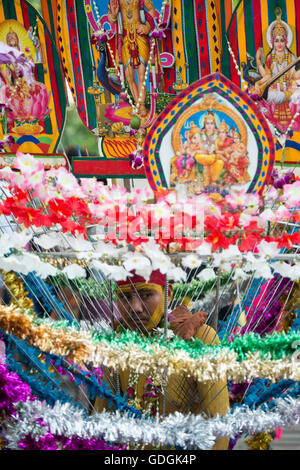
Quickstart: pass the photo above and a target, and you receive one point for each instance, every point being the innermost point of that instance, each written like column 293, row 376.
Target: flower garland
column 240, row 220
column 245, row 357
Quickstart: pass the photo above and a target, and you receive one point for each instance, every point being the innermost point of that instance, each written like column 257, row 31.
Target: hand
column 143, row 29
column 184, row 323
column 114, row 7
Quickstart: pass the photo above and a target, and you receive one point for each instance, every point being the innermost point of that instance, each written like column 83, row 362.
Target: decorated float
column 150, row 288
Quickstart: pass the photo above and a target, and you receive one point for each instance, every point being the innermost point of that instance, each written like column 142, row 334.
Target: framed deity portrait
column 210, row 139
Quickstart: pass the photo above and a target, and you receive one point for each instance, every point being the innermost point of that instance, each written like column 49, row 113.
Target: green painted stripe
column 225, row 53
column 6, row 12
column 11, row 9
column 281, row 4
column 190, row 35
column 50, row 12
column 249, row 28
column 86, row 59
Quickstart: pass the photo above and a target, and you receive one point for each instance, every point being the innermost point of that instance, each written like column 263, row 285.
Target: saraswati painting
column 210, row 143
column 277, row 87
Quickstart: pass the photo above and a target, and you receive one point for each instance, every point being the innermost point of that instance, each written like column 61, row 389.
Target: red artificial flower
column 228, row 221
column 218, row 240
column 211, row 223
column 288, row 240
column 29, row 216
column 251, row 237
column 60, row 207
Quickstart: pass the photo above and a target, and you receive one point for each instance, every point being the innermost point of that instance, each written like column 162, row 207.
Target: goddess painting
column 26, row 98
column 279, row 83
column 210, row 149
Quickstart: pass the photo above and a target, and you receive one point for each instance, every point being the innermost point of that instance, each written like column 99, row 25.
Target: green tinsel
column 276, row 346
column 91, row 288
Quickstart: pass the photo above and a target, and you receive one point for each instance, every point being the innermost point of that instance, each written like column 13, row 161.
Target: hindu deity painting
column 25, row 97
column 210, row 143
column 129, row 62
column 277, row 89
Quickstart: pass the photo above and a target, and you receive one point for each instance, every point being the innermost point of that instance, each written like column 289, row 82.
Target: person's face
column 236, row 139
column 196, row 138
column 209, row 126
column 137, row 307
column 12, row 42
column 279, row 43
column 222, row 134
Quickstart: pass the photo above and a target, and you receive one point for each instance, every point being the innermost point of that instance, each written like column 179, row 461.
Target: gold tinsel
column 17, row 291
column 260, row 441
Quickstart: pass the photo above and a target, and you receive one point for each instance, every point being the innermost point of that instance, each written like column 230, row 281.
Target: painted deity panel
column 210, row 138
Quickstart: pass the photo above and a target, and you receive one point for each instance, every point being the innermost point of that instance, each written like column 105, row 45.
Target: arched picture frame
column 208, row 169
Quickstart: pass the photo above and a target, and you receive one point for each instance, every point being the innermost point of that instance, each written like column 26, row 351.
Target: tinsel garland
column 40, row 289
column 91, row 288
column 16, row 289
column 184, row 431
column 242, row 359
column 14, row 392
column 31, row 356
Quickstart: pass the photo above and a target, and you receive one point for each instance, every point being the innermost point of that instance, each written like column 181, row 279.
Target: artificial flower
column 207, row 274
column 191, row 261
column 74, row 271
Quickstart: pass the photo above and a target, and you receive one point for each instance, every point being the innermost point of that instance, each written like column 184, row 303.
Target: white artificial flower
column 262, row 269
column 161, row 210
column 26, row 163
column 135, row 261
column 295, row 272
column 6, row 173
column 35, row 179
column 47, row 241
column 4, row 243
column 269, row 249
column 291, row 194
column 74, row 271
column 191, row 261
column 246, row 219
column 213, row 210
column 227, row 257
column 207, row 274
column 267, row 215
column 204, row 249
column 162, row 262
column 114, row 272
column 252, row 203
column 45, row 270
column 158, row 259
column 282, row 268
column 240, row 275
column 106, row 249
column 66, row 179
column 10, row 263
column 176, row 274
column 80, row 244
column 19, row 240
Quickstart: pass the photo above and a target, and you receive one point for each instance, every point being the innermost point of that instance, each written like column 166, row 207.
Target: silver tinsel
column 185, row 431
